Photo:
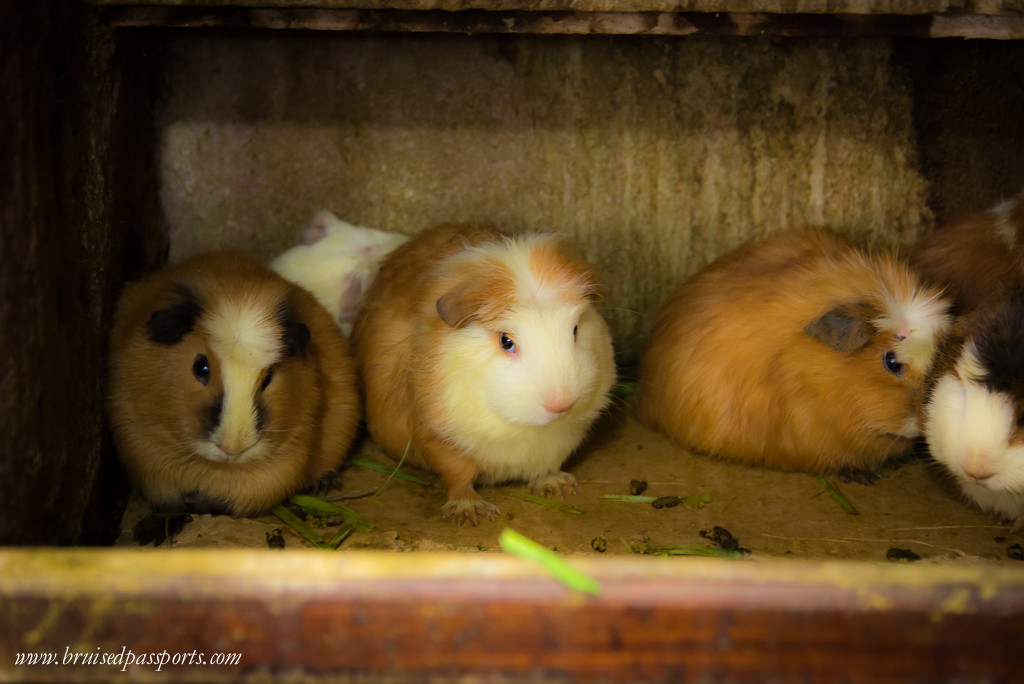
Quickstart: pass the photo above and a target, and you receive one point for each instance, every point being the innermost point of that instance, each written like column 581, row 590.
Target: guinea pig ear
column 294, row 333
column 317, row 228
column 168, row 326
column 846, row 328
column 456, row 307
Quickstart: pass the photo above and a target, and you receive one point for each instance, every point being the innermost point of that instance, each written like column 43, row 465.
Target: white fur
column 339, row 266
column 969, row 430
column 915, row 320
column 246, row 340
column 496, row 401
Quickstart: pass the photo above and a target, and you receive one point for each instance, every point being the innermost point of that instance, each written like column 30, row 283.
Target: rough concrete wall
column 656, row 154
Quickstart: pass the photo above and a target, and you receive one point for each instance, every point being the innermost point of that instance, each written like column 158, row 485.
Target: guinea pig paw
column 557, row 484
column 849, row 474
column 327, row 482
column 156, row 528
column 462, row 510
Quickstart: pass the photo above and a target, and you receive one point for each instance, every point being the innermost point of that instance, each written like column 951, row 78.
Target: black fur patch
column 999, row 339
column 294, row 333
column 201, row 503
column 168, row 326
column 209, row 417
column 948, row 348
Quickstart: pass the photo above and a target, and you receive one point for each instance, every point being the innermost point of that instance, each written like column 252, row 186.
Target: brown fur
column 155, row 405
column 731, row 371
column 972, row 260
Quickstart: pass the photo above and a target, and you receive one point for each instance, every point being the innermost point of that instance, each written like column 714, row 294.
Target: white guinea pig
column 485, row 357
column 973, row 416
column 798, row 352
column 230, row 388
column 337, row 261
column 977, row 257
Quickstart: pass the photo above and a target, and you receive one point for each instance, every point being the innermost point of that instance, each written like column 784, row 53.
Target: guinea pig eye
column 201, row 368
column 267, row 378
column 892, row 364
column 574, row 329
column 508, row 345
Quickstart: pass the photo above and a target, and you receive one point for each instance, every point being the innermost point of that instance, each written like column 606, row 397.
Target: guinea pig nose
column 559, row 405
column 979, row 469
column 233, row 444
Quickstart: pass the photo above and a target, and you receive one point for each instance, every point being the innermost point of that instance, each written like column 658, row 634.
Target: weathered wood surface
column 611, row 22
column 745, row 6
column 313, row 616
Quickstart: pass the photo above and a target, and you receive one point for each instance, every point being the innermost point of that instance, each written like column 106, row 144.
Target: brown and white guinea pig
column 485, row 357
column 977, row 257
column 230, row 388
column 798, row 352
column 973, row 417
column 337, row 261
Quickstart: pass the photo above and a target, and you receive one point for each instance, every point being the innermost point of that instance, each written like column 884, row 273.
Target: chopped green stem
column 518, row 545
column 838, row 496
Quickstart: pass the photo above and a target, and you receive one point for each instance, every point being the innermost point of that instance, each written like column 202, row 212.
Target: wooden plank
column 904, row 7
column 454, row 615
column 575, row 23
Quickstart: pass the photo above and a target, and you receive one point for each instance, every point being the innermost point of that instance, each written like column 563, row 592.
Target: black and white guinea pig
column 484, row 359
column 337, row 261
column 229, row 387
column 797, row 352
column 977, row 257
column 973, row 417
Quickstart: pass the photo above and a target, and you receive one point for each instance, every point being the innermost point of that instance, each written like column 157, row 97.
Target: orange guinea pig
column 484, row 360
column 976, row 258
column 798, row 352
column 230, row 388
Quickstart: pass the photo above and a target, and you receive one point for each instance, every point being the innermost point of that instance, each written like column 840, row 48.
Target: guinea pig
column 973, row 416
column 977, row 257
column 230, row 388
column 483, row 359
column 798, row 352
column 337, row 261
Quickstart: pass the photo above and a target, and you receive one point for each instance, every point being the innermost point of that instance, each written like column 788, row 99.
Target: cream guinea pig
column 485, row 356
column 337, row 261
column 230, row 388
column 798, row 352
column 973, row 418
column 977, row 257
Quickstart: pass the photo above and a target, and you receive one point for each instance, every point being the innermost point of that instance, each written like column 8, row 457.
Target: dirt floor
column 772, row 514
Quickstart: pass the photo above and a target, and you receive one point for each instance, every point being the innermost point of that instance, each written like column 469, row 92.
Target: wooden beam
column 575, row 23
column 454, row 615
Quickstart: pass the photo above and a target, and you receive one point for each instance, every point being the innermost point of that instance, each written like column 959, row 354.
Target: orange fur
column 390, row 319
column 156, row 404
column 977, row 257
column 730, row 370
column 428, row 334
